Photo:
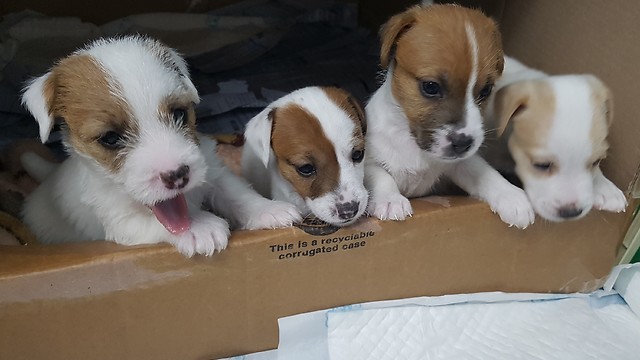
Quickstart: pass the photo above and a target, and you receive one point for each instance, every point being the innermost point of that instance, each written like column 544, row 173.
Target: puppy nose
column 569, row 211
column 460, row 143
column 176, row 179
column 346, row 211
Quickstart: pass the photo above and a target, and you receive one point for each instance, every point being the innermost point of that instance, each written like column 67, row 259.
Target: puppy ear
column 509, row 102
column 191, row 88
column 37, row 97
column 604, row 96
column 258, row 134
column 391, row 31
column 183, row 70
column 359, row 112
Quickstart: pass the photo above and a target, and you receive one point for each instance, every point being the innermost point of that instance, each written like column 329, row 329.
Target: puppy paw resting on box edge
column 307, row 148
column 137, row 172
column 425, row 121
column 553, row 134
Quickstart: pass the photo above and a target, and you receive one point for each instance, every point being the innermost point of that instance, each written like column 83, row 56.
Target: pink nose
column 176, row 179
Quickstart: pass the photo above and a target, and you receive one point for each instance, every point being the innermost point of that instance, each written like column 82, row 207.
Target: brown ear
column 603, row 96
column 509, row 102
column 392, row 30
column 355, row 104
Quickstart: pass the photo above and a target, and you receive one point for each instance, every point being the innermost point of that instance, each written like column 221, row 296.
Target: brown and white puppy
column 425, row 121
column 557, row 138
column 137, row 171
column 307, row 148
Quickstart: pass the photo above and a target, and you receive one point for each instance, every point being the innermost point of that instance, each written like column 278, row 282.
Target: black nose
column 568, row 212
column 460, row 143
column 346, row 211
column 176, row 179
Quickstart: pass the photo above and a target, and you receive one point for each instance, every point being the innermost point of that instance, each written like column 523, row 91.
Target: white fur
column 569, row 144
column 398, row 169
column 80, row 200
column 261, row 169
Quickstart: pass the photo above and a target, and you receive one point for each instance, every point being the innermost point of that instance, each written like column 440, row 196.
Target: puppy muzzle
column 176, row 179
column 348, row 210
column 460, row 144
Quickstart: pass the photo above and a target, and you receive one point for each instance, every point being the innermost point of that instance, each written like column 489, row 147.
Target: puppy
column 137, row 172
column 425, row 120
column 307, row 148
column 556, row 141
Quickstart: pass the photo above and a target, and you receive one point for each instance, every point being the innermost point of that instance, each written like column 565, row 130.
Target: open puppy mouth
column 173, row 214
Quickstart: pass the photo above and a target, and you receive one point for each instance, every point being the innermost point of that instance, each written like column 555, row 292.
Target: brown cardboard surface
column 107, row 301
column 103, row 301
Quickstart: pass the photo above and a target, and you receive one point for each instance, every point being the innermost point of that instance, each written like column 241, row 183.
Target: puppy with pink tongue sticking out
column 138, row 172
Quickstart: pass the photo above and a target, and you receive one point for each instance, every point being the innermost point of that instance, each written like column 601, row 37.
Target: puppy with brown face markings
column 556, row 136
column 137, row 172
column 307, row 148
column 425, row 121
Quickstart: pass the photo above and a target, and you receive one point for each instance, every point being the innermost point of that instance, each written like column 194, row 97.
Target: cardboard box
column 101, row 300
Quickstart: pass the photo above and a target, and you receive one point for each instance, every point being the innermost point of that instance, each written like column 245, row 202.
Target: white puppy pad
column 572, row 328
column 604, row 324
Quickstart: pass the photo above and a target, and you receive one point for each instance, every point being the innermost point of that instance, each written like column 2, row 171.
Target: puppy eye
column 179, row 115
column 357, row 156
column 430, row 89
column 484, row 93
column 596, row 163
column 543, row 166
column 306, row 170
column 111, row 140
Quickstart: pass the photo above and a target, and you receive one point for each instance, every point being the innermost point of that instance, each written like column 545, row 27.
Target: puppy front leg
column 385, row 201
column 234, row 198
column 606, row 195
column 479, row 179
column 207, row 234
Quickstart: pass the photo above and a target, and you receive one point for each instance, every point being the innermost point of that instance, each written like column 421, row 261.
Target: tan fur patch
column 530, row 107
column 351, row 107
column 432, row 45
column 82, row 97
column 297, row 139
column 602, row 105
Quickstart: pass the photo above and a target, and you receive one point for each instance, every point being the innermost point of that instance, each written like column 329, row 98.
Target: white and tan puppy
column 137, row 172
column 557, row 138
column 425, row 121
column 307, row 148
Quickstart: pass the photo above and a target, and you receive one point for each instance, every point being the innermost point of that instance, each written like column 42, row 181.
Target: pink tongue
column 173, row 214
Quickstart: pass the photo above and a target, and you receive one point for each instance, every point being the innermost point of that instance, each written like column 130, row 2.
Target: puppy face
column 127, row 109
column 560, row 127
column 445, row 60
column 317, row 138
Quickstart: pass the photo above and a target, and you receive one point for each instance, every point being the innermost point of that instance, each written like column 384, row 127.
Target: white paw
column 513, row 207
column 390, row 207
column 608, row 197
column 271, row 214
column 208, row 234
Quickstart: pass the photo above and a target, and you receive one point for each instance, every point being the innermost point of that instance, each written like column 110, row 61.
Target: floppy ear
column 603, row 94
column 183, row 70
column 257, row 135
column 391, row 31
column 510, row 101
column 38, row 97
column 355, row 104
